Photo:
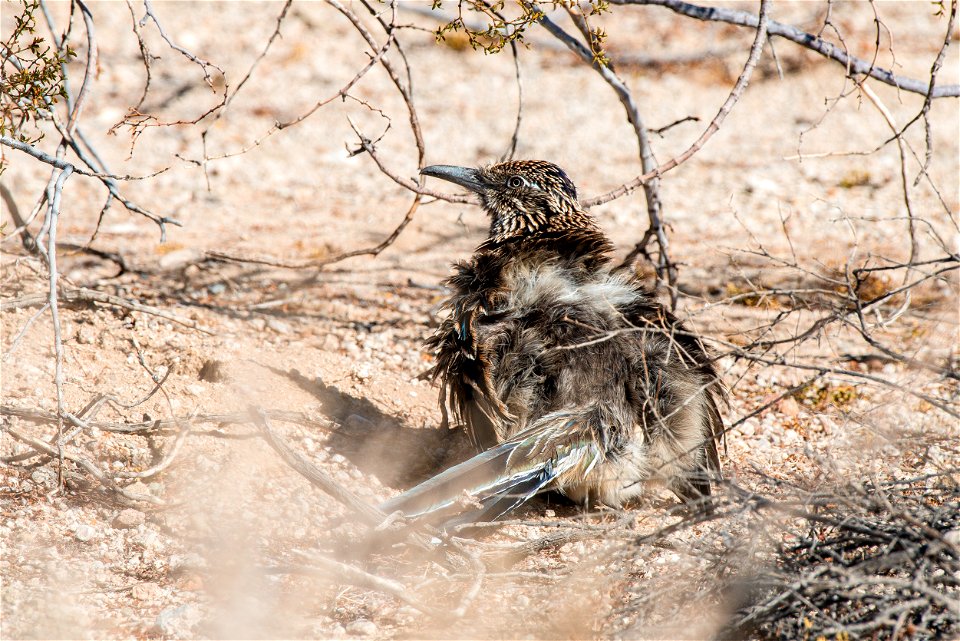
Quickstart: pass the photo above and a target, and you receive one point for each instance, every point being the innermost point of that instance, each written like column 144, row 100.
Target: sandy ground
column 342, row 345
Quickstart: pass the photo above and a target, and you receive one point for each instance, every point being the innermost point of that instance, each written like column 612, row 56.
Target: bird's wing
column 463, row 351
column 682, row 376
column 468, row 343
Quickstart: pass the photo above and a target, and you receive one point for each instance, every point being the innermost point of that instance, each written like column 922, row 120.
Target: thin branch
column 323, row 262
column 86, row 295
column 344, row 573
column 106, row 179
column 104, row 479
column 159, row 425
column 15, row 343
column 666, row 269
column 928, row 101
column 204, row 65
column 852, row 64
column 712, row 128
column 364, row 511
column 27, row 240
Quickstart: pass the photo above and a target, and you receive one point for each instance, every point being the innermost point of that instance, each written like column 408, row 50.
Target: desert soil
column 210, row 556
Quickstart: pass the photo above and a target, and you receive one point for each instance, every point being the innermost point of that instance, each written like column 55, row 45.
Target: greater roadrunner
column 566, row 374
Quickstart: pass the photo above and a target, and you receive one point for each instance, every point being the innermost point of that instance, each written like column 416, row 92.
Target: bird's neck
column 584, row 245
column 518, row 223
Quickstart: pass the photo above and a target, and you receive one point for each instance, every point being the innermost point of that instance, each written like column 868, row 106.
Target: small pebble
column 279, row 326
column 148, row 540
column 85, row 533
column 362, row 372
column 129, row 518
column 86, row 335
column 791, row 438
column 789, row 406
column 44, row 477
column 177, row 621
column 362, row 628
column 146, row 591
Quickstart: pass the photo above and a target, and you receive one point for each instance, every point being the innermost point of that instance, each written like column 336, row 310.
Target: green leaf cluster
column 507, row 23
column 31, row 77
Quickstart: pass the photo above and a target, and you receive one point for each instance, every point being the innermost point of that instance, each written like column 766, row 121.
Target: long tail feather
column 499, row 480
column 505, row 497
column 483, row 488
column 486, row 474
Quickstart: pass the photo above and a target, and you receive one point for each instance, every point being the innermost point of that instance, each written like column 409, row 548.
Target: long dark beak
column 463, row 176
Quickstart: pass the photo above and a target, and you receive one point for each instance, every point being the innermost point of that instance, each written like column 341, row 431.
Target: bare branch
column 666, row 270
column 86, row 295
column 365, row 512
column 853, row 64
column 712, row 128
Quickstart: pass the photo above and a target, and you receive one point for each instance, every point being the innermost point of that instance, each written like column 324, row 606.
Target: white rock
column 128, row 518
column 148, row 540
column 362, row 628
column 85, row 533
column 86, row 335
column 44, row 477
column 362, row 371
column 179, row 258
column 791, row 438
column 178, row 621
column 279, row 326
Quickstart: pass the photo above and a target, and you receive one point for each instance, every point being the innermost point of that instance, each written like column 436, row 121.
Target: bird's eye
column 513, row 182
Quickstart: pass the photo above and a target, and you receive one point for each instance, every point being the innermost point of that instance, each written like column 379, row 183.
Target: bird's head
column 522, row 197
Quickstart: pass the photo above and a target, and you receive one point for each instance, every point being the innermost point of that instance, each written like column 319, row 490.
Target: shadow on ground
column 378, row 443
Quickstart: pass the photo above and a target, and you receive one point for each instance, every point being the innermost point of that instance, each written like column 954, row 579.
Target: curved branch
column 853, row 64
column 666, row 270
column 712, row 128
column 108, row 180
